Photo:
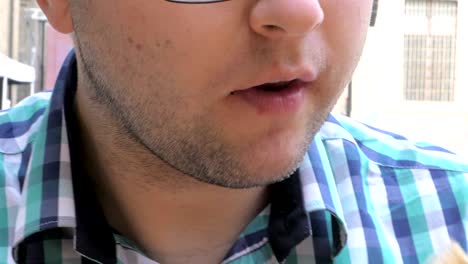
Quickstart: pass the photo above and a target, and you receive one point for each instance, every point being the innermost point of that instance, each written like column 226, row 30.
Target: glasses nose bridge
column 197, row 1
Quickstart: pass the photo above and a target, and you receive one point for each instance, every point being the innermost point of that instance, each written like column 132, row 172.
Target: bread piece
column 453, row 255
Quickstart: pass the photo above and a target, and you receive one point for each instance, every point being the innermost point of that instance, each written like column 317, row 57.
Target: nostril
column 272, row 30
column 271, row 27
column 284, row 18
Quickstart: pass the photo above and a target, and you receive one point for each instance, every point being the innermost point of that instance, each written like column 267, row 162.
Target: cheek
column 345, row 27
column 346, row 24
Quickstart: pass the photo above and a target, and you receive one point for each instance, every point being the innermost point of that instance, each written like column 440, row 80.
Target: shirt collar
column 52, row 198
column 47, row 199
column 93, row 236
column 304, row 205
column 307, row 204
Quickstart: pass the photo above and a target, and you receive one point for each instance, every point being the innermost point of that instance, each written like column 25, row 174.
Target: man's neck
column 169, row 215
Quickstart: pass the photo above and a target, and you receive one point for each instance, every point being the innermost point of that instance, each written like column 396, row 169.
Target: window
column 430, row 49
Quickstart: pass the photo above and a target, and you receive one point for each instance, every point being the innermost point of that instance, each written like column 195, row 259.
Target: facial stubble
column 196, row 151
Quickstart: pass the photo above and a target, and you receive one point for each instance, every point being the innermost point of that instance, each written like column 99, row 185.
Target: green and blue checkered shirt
column 361, row 195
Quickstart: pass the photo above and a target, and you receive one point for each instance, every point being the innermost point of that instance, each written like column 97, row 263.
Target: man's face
column 178, row 78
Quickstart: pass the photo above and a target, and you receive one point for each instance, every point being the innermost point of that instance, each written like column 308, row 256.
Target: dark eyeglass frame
column 196, row 1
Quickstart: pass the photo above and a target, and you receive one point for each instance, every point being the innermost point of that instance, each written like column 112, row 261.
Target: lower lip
column 285, row 101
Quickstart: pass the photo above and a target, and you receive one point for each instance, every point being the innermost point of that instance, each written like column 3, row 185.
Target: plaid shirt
column 361, row 195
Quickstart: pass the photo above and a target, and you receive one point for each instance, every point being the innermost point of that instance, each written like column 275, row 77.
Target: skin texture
column 159, row 122
column 165, row 72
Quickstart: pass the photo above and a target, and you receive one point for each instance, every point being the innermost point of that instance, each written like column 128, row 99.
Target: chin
column 276, row 166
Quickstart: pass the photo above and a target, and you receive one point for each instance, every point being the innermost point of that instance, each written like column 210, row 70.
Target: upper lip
column 303, row 74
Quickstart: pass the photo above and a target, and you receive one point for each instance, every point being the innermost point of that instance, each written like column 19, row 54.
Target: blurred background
column 412, row 78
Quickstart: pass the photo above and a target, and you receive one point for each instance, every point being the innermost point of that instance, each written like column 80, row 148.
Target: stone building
column 412, row 75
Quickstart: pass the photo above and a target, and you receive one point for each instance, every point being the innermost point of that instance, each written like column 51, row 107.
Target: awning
column 16, row 71
column 12, row 71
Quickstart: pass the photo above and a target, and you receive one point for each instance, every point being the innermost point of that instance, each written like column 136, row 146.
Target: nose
column 285, row 18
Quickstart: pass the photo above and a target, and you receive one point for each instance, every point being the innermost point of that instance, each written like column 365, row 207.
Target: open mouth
column 275, row 97
column 273, row 87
